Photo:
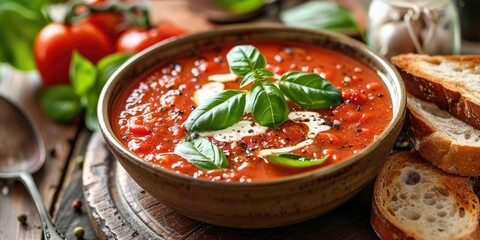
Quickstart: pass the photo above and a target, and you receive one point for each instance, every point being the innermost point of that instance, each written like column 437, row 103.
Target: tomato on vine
column 137, row 39
column 55, row 44
column 112, row 24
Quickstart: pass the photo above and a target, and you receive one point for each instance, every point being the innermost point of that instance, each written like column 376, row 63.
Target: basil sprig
column 221, row 111
column 309, row 90
column 265, row 101
column 202, row 153
column 294, row 160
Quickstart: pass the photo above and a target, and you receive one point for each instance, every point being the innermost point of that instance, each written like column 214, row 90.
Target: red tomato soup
column 148, row 117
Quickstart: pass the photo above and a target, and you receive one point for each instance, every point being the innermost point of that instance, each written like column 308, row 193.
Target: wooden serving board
column 120, row 209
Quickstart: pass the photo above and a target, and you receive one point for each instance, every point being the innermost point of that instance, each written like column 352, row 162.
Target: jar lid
column 430, row 4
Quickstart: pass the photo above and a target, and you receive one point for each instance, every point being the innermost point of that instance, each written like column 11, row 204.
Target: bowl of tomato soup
column 253, row 126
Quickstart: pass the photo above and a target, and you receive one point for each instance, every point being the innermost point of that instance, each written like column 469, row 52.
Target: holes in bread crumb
column 467, row 136
column 441, row 213
column 443, row 191
column 413, row 216
column 403, row 196
column 439, row 206
column 461, row 212
column 429, row 201
column 414, row 196
column 429, row 195
column 431, row 219
column 411, row 178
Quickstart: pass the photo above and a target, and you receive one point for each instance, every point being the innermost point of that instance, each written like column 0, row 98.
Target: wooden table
column 60, row 179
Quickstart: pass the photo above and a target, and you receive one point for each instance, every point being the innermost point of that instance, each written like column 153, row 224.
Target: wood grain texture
column 120, row 209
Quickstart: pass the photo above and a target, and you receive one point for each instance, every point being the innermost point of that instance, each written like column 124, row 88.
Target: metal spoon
column 22, row 152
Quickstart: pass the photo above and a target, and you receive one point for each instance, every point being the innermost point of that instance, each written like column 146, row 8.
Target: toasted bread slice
column 415, row 200
column 451, row 82
column 447, row 142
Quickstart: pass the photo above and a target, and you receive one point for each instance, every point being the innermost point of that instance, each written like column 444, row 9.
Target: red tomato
column 137, row 39
column 110, row 23
column 55, row 44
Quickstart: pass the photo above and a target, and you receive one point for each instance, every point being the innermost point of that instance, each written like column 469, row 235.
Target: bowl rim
column 397, row 118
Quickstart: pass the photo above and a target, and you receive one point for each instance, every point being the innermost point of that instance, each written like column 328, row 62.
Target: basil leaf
column 294, row 160
column 20, row 22
column 268, row 104
column 220, row 111
column 83, row 74
column 309, row 90
column 243, row 59
column 256, row 75
column 107, row 66
column 61, row 103
column 202, row 153
column 90, row 118
column 241, row 7
column 320, row 15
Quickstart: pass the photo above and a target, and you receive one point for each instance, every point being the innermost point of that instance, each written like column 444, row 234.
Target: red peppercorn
column 77, row 204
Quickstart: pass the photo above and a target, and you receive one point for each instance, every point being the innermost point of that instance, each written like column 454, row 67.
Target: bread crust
column 387, row 225
column 449, row 155
column 445, row 93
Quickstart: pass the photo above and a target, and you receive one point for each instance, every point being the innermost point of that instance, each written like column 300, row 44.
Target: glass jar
column 413, row 26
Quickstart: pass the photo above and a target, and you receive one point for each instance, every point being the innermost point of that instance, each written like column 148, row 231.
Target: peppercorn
column 79, row 161
column 22, row 218
column 76, row 204
column 79, row 232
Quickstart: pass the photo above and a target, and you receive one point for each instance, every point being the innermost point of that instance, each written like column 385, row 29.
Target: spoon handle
column 49, row 229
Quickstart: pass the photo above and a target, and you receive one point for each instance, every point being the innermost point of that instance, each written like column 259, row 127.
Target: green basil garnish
column 107, row 66
column 61, row 103
column 265, row 101
column 268, row 104
column 202, row 153
column 256, row 75
column 309, row 90
column 82, row 74
column 221, row 111
column 243, row 59
column 294, row 160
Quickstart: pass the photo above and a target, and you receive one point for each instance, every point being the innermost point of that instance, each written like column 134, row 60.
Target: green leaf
column 309, row 90
column 60, row 103
column 241, row 6
column 220, row 111
column 83, row 74
column 202, row 153
column 268, row 104
column 20, row 22
column 256, row 75
column 107, row 66
column 294, row 160
column 320, row 15
column 243, row 59
column 91, row 120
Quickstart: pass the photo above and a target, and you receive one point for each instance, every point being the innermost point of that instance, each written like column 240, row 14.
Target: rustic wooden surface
column 120, row 209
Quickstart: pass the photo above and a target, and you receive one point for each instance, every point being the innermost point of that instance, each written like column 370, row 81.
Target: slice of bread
column 447, row 142
column 414, row 200
column 451, row 82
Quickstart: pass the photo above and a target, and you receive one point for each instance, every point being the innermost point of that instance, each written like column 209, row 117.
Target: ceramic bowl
column 264, row 203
